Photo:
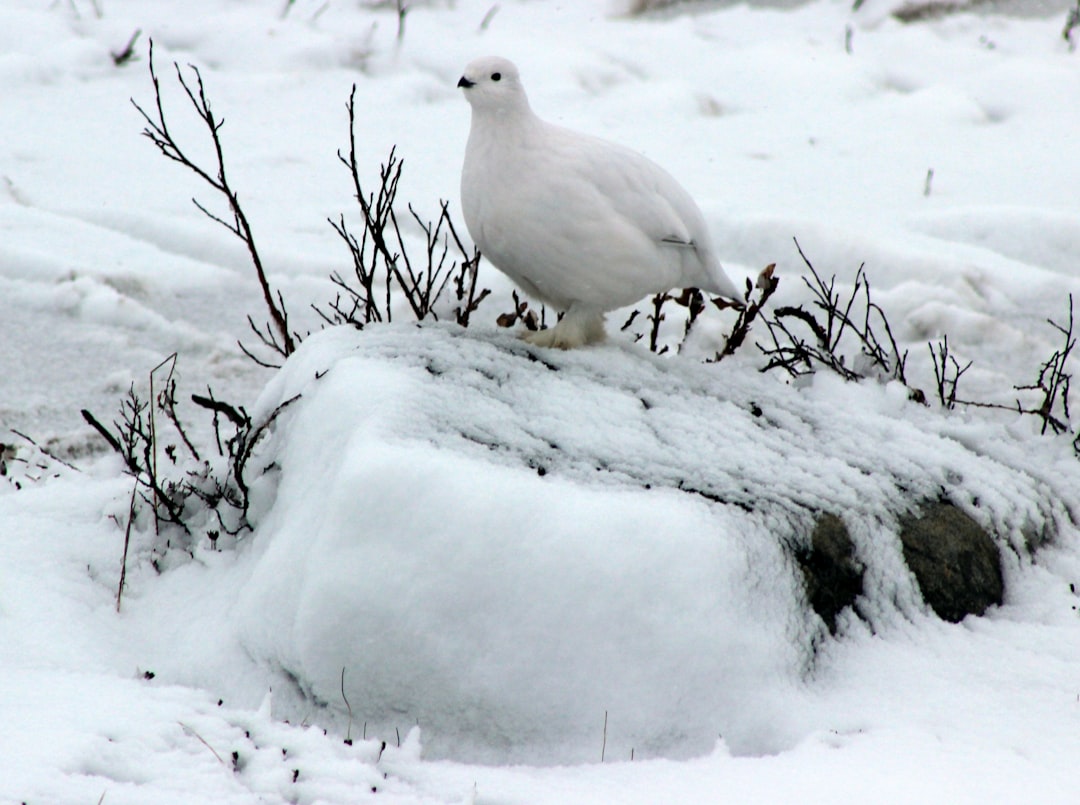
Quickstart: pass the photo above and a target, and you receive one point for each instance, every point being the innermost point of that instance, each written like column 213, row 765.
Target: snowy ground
column 562, row 596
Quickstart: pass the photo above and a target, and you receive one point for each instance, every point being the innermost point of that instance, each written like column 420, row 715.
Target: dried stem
column 655, row 318
column 803, row 340
column 382, row 259
column 1052, row 381
column 766, row 284
column 157, row 131
column 127, row 544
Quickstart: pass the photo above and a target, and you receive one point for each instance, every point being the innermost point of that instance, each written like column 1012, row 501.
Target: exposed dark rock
column 955, row 562
column 834, row 579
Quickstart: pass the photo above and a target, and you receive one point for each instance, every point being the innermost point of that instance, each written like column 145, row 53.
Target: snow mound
column 510, row 546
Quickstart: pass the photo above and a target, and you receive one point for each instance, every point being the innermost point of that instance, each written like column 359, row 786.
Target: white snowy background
column 406, row 534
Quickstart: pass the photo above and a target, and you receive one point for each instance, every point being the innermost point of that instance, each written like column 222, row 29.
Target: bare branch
column 237, row 417
column 656, row 317
column 157, row 131
column 1053, row 381
column 766, row 284
column 381, row 255
column 827, row 328
column 44, row 451
column 93, row 422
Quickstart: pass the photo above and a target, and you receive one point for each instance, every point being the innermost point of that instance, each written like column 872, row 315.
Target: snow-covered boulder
column 514, row 547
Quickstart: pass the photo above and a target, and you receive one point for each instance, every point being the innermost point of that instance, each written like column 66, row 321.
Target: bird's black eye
column 496, row 76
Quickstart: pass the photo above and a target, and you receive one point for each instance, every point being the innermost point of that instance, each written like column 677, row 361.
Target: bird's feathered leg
column 580, row 325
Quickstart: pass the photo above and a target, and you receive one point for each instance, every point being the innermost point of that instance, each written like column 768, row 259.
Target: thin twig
column 402, row 10
column 766, row 284
column 348, row 707
column 486, row 21
column 603, row 744
column 1072, row 20
column 45, row 451
column 237, row 417
column 656, row 317
column 127, row 542
column 201, row 740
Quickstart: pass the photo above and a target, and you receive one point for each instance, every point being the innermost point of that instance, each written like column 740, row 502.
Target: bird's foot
column 574, row 330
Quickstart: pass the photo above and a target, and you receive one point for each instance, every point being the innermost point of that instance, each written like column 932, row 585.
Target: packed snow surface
column 537, row 557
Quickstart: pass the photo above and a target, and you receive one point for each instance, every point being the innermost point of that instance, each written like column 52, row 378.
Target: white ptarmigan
column 584, row 225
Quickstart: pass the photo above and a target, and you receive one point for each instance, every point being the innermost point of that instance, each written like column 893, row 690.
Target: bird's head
column 492, row 84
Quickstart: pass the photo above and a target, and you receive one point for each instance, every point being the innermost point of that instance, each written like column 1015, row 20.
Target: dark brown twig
column 1052, row 381
column 45, row 452
column 803, row 340
column 157, row 131
column 382, row 259
column 1072, row 21
column 766, row 284
column 655, row 318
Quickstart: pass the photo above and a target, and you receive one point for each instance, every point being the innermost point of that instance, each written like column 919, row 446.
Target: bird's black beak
column 465, row 83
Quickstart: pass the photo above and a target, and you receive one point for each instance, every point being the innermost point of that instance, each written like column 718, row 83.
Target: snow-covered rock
column 504, row 543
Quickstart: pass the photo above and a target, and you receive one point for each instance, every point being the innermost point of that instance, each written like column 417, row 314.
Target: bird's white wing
column 648, row 199
column 640, row 190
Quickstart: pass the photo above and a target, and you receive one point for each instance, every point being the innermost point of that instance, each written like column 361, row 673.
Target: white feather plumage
column 582, row 224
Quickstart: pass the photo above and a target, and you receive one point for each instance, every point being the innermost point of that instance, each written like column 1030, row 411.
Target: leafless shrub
column 134, row 442
column 186, row 492
column 692, row 303
column 232, row 489
column 277, row 337
column 191, row 492
column 382, row 260
column 1052, row 385
column 947, row 372
column 804, row 340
